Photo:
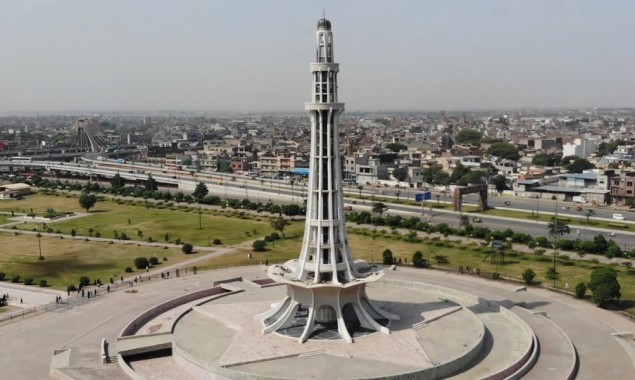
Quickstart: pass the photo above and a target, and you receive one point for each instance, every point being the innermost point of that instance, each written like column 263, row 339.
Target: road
column 264, row 190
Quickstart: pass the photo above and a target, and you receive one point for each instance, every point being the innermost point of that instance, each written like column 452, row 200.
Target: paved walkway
column 83, row 327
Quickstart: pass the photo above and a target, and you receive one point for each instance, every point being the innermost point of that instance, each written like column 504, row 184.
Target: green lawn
column 459, row 254
column 67, row 260
column 132, row 217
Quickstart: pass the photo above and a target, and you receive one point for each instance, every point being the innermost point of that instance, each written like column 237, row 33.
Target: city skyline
column 237, row 56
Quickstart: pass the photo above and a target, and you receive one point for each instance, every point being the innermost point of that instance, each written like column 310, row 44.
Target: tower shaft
column 325, row 282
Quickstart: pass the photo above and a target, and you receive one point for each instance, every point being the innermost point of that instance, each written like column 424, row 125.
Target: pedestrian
column 82, row 293
column 95, row 293
column 20, row 300
column 89, row 294
column 108, row 288
column 121, row 278
column 147, row 269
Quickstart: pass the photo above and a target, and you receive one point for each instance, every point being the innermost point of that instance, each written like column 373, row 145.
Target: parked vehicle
column 507, row 203
column 618, row 217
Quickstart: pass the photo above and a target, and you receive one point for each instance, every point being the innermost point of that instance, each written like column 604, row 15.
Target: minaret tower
column 325, row 285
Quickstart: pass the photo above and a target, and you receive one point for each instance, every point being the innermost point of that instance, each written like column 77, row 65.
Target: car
column 618, row 217
column 507, row 203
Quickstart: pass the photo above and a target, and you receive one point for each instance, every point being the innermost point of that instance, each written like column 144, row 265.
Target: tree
column 259, row 246
column 608, row 147
column 117, row 182
column 613, row 250
column 396, row 147
column 580, row 290
column 379, row 208
column 200, row 191
column 468, row 136
column 500, row 183
column 459, row 172
column 417, row 259
column 87, row 201
column 544, row 159
column 279, row 224
column 504, row 150
column 473, row 177
column 604, row 286
column 464, row 222
column 528, row 276
column 601, row 244
column 84, row 281
column 578, row 165
column 360, row 187
column 387, row 257
column 557, row 228
column 400, row 174
column 435, row 176
column 589, row 214
column 151, row 183
column 187, row 248
column 141, row 263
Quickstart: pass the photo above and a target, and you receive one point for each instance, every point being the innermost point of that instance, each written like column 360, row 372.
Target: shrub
column 178, row 241
column 580, row 290
column 387, row 257
column 43, row 283
column 528, row 276
column 217, row 242
column 441, row 259
column 539, row 252
column 15, row 278
column 71, row 288
column 552, row 274
column 84, row 281
column 28, row 281
column 187, row 248
column 275, row 236
column 604, row 286
column 141, row 263
column 418, row 260
column 2, row 274
column 268, row 239
column 259, row 246
column 496, row 276
column 154, row 260
column 128, row 270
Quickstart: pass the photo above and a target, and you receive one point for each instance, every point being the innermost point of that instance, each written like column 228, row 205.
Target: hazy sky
column 233, row 55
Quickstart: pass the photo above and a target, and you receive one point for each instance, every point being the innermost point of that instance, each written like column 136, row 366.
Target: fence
column 75, row 298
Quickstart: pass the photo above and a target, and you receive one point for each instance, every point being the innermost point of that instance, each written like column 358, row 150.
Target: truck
column 579, row 199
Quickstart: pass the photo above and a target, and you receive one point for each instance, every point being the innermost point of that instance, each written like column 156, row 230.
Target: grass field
column 67, row 260
column 140, row 223
column 459, row 254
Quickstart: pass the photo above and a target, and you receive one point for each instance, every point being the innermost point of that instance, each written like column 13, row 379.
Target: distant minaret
column 325, row 283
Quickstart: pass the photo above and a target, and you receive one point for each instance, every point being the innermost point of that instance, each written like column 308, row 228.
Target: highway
column 263, row 190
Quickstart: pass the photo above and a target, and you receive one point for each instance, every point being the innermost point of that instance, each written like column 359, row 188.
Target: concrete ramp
column 141, row 344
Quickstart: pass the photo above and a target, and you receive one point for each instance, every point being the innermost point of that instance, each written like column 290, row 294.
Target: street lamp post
column 39, row 243
column 555, row 249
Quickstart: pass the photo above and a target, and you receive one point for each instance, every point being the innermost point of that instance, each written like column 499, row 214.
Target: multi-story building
column 581, row 147
column 623, row 189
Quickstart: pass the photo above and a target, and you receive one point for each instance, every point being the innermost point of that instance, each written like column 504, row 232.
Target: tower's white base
column 326, row 304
